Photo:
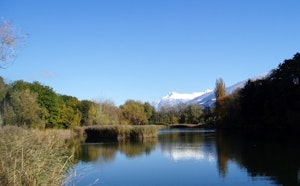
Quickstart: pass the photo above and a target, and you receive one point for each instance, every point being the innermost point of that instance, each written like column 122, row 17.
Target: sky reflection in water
column 177, row 157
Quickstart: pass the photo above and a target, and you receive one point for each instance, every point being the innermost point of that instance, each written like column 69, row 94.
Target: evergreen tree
column 272, row 102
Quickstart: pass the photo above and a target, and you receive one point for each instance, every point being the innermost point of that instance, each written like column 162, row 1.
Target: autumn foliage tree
column 102, row 113
column 133, row 112
column 69, row 113
column 220, row 93
column 220, row 89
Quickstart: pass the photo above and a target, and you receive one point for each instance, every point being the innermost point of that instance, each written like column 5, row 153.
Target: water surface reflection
column 188, row 144
column 191, row 157
column 106, row 152
column 274, row 154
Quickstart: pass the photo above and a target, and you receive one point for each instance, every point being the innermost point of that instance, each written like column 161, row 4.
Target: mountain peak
column 174, row 98
column 184, row 96
column 205, row 98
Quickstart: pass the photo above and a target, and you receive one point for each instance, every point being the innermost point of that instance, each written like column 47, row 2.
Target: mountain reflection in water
column 191, row 157
column 188, row 145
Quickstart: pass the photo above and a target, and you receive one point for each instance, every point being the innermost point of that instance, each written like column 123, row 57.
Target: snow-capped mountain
column 174, row 98
column 206, row 98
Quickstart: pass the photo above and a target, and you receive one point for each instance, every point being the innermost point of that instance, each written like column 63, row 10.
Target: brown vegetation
column 120, row 132
column 33, row 157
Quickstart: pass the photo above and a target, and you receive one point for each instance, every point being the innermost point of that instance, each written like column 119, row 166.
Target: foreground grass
column 120, row 132
column 33, row 157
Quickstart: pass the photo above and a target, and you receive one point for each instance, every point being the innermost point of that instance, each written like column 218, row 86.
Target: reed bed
column 33, row 157
column 120, row 132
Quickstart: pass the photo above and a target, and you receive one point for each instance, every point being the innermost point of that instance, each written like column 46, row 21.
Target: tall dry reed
column 33, row 157
column 120, row 132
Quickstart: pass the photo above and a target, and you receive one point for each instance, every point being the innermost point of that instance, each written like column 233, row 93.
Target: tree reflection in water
column 275, row 154
column 106, row 152
column 263, row 156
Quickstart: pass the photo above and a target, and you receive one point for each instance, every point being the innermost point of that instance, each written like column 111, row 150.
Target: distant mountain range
column 206, row 98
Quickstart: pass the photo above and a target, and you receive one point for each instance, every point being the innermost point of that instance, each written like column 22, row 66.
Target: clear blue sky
column 143, row 49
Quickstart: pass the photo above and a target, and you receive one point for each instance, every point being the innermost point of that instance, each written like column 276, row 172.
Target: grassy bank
column 120, row 132
column 33, row 157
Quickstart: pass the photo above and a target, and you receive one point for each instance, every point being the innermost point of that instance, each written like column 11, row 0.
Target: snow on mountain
column 206, row 98
column 174, row 98
column 174, row 95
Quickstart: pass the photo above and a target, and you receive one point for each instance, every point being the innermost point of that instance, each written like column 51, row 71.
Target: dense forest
column 272, row 102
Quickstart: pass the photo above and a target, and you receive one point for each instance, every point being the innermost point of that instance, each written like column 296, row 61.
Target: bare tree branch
column 10, row 38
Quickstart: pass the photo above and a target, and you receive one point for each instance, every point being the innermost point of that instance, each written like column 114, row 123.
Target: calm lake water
column 191, row 157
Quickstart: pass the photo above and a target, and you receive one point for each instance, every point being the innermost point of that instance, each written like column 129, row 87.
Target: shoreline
column 193, row 126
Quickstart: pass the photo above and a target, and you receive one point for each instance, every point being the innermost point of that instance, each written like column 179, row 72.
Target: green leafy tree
column 149, row 110
column 31, row 116
column 173, row 116
column 110, row 111
column 164, row 116
column 46, row 99
column 69, row 114
column 168, row 115
column 8, row 114
column 84, row 108
column 3, row 89
column 208, row 115
column 68, row 117
column 94, row 115
column 193, row 113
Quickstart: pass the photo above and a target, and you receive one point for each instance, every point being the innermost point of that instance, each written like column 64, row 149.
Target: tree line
column 39, row 106
column 272, row 102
